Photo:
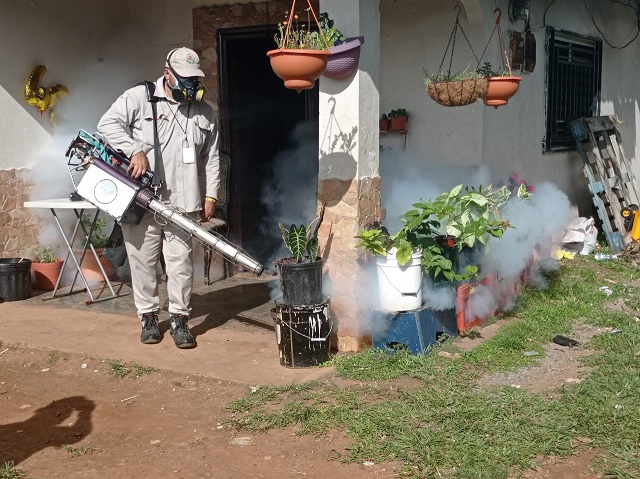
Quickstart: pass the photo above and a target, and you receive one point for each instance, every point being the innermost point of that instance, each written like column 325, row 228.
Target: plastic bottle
column 604, row 256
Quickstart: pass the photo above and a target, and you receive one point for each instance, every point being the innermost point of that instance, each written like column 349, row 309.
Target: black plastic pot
column 301, row 283
column 15, row 279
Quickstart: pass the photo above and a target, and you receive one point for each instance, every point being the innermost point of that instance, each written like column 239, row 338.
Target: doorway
column 258, row 116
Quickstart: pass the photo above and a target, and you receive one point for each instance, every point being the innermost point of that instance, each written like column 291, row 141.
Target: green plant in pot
column 301, row 274
column 398, row 119
column 460, row 88
column 46, row 267
column 302, row 51
column 398, row 267
column 457, row 219
column 98, row 239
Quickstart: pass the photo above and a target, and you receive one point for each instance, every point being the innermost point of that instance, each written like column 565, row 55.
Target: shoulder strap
column 158, row 177
column 151, row 90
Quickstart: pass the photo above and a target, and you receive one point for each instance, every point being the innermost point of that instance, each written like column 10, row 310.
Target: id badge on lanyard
column 188, row 153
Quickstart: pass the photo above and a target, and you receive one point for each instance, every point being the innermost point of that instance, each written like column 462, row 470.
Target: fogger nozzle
column 146, row 199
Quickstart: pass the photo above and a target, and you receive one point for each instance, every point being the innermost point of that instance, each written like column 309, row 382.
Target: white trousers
column 145, row 242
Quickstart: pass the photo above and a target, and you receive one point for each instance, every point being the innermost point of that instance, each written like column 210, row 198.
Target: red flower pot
column 298, row 68
column 385, row 125
column 500, row 89
column 398, row 123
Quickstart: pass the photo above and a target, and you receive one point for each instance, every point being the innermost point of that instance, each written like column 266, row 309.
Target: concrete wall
column 414, row 35
column 97, row 49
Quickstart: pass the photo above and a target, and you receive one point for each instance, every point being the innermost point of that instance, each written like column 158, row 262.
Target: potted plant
column 46, row 267
column 459, row 89
column 301, row 273
column 398, row 119
column 345, row 52
column 302, row 54
column 90, row 268
column 398, row 266
column 455, row 220
column 501, row 86
column 385, row 123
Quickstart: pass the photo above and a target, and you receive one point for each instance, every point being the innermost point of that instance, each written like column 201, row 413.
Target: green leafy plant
column 331, row 32
column 44, row 254
column 469, row 216
column 398, row 112
column 384, row 117
column 302, row 241
column 301, row 36
column 98, row 240
column 375, row 239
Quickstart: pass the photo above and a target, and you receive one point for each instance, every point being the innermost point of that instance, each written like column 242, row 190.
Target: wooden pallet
column 611, row 180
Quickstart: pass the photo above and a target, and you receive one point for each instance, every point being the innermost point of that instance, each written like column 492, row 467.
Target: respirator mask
column 185, row 89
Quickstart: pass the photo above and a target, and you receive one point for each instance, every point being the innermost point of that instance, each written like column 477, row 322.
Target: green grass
column 8, row 471
column 446, row 426
column 119, row 370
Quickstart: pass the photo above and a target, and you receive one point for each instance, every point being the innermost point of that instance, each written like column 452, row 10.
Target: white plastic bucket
column 399, row 287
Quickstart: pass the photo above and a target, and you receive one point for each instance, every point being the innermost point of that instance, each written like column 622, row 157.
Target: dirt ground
column 63, row 414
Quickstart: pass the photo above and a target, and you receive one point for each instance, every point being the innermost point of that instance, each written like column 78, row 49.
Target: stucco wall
column 414, row 35
column 97, row 49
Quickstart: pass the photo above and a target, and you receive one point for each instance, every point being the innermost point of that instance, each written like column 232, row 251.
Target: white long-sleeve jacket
column 128, row 126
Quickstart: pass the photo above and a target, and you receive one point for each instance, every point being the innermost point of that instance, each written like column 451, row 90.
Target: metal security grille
column 574, row 67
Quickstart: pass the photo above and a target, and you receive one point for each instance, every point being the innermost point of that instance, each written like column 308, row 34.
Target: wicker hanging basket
column 459, row 92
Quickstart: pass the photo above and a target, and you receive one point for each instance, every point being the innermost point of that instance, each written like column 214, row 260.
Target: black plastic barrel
column 303, row 334
column 301, row 283
column 15, row 279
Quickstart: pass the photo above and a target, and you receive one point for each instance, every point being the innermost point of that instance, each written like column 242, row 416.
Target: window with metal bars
column 574, row 67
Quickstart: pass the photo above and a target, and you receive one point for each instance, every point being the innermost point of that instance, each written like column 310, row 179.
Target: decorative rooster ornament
column 42, row 98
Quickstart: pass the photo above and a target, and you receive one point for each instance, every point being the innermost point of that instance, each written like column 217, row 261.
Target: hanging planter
column 344, row 58
column 302, row 55
column 457, row 93
column 501, row 87
column 458, row 89
column 298, row 68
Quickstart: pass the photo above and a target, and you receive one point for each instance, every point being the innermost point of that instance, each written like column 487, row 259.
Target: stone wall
column 19, row 229
column 349, row 205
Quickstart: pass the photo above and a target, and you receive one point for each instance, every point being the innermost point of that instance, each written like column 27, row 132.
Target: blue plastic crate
column 414, row 330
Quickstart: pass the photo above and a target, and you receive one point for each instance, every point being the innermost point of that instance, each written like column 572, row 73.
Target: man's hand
column 208, row 209
column 139, row 165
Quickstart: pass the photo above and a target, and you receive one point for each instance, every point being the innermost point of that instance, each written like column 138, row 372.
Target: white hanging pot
column 399, row 287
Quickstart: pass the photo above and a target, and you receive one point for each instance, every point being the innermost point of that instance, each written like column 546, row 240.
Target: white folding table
column 78, row 208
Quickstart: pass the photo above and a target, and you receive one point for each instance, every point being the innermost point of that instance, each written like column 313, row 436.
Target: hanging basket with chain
column 460, row 89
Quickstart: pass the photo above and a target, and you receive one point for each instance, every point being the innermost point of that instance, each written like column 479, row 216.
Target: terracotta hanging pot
column 299, row 68
column 500, row 89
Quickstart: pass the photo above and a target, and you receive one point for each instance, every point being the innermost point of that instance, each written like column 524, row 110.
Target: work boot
column 150, row 330
column 180, row 331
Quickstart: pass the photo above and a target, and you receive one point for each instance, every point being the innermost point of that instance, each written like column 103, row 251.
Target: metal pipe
column 185, row 223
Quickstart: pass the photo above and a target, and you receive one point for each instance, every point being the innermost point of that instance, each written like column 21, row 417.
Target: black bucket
column 301, row 283
column 303, row 334
column 15, row 279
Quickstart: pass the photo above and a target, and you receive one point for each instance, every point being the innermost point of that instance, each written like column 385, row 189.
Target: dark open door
column 258, row 115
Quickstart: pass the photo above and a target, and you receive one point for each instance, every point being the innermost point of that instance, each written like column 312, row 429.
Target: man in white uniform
column 188, row 141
